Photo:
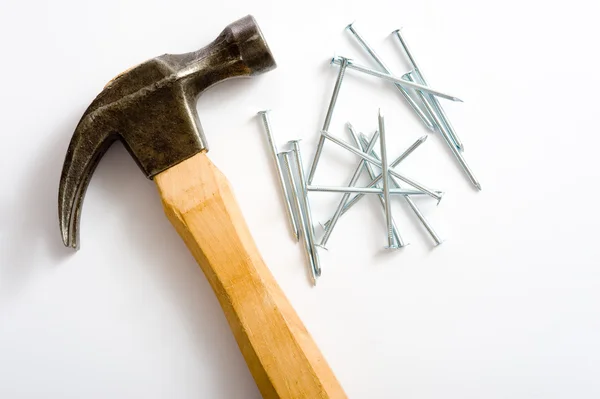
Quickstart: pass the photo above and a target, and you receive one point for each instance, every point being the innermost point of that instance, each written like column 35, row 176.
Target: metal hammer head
column 151, row 108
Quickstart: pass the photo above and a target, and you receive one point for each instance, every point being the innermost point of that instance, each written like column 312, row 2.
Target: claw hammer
column 151, row 108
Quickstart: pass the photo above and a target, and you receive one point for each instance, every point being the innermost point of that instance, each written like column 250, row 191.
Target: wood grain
column 281, row 355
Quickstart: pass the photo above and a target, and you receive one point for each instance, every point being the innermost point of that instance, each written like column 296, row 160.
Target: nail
column 410, row 202
column 376, row 180
column 397, row 237
column 448, row 139
column 386, row 182
column 420, row 113
column 362, row 190
column 372, row 160
column 311, row 256
column 303, row 196
column 421, row 78
column 286, row 196
column 336, row 90
column 394, row 79
column 353, row 180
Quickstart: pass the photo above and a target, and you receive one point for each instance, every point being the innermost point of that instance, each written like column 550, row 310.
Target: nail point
column 441, row 195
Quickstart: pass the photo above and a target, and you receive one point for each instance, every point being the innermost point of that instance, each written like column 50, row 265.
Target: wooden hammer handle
column 282, row 356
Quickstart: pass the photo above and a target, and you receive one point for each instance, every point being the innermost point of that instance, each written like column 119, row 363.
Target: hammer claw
column 151, row 108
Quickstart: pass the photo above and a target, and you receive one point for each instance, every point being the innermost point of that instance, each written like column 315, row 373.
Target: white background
column 507, row 307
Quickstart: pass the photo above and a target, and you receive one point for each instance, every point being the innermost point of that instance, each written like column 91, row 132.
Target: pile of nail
column 295, row 185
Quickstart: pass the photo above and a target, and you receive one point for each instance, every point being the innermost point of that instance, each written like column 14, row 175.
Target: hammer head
column 151, row 108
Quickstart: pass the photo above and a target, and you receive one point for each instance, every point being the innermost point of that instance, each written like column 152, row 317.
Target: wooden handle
column 282, row 356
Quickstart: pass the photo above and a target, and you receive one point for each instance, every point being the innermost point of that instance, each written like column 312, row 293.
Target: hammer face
column 151, row 108
column 252, row 45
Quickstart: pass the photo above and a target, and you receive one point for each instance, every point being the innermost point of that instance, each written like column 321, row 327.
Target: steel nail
column 303, row 196
column 353, row 180
column 398, row 240
column 410, row 202
column 372, row 160
column 386, row 184
column 376, row 180
column 392, row 78
column 421, row 78
column 412, row 103
column 397, row 237
column 448, row 139
column 336, row 90
column 311, row 254
column 286, row 196
column 362, row 190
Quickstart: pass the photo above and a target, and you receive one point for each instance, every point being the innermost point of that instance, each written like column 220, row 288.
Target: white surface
column 507, row 307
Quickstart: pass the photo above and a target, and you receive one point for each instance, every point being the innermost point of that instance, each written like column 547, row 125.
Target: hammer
column 151, row 108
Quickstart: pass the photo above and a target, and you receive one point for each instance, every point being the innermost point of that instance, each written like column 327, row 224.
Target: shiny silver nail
column 288, row 159
column 396, row 233
column 394, row 79
column 375, row 162
column 336, row 90
column 353, row 180
column 409, row 200
column 420, row 113
column 386, row 182
column 305, row 204
column 434, row 102
column 362, row 190
column 377, row 179
column 443, row 131
column 286, row 195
